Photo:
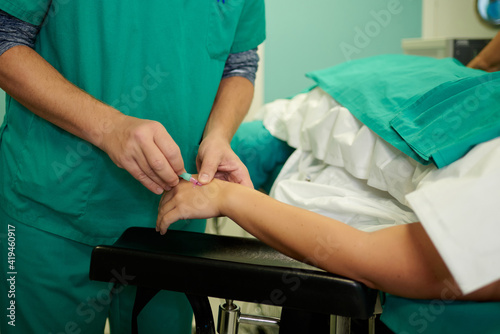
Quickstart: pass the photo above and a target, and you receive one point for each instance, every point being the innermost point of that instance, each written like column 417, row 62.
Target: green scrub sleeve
column 31, row 11
column 251, row 29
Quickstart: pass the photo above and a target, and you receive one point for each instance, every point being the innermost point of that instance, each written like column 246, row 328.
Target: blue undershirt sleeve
column 14, row 31
column 242, row 64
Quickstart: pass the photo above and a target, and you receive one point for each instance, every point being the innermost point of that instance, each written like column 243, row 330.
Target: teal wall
column 306, row 35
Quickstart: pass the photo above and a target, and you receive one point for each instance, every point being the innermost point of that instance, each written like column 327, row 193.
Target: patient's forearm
column 299, row 233
column 388, row 260
column 400, row 260
column 32, row 81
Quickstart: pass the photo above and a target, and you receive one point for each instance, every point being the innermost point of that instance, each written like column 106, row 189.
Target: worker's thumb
column 207, row 172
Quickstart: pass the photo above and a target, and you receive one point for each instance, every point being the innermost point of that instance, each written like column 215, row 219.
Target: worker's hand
column 146, row 150
column 189, row 201
column 217, row 159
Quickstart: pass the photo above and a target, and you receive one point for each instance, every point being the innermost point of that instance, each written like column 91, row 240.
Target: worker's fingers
column 217, row 159
column 208, row 168
column 233, row 170
column 240, row 175
column 170, row 151
column 155, row 165
column 133, row 167
column 146, row 150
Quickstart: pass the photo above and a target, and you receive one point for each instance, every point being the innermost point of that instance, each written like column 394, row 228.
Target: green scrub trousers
column 53, row 282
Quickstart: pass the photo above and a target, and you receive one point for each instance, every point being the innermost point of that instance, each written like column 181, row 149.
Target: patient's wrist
column 230, row 197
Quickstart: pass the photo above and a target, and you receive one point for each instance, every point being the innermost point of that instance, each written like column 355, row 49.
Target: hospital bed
column 339, row 168
column 234, row 269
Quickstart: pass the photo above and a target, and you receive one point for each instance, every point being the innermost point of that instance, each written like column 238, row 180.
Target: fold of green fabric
column 434, row 110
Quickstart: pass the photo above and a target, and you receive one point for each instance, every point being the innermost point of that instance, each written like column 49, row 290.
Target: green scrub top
column 159, row 60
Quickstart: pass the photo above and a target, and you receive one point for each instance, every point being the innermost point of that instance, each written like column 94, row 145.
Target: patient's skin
column 400, row 260
column 489, row 58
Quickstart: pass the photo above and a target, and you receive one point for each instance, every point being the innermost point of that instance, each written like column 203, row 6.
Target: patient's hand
column 481, row 64
column 188, row 201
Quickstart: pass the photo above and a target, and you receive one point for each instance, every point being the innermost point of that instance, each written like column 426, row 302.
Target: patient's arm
column 489, row 58
column 400, row 260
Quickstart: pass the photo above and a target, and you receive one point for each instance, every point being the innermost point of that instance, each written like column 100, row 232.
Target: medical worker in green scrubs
column 116, row 99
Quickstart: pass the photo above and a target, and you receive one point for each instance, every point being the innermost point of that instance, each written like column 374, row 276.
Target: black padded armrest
column 235, row 268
